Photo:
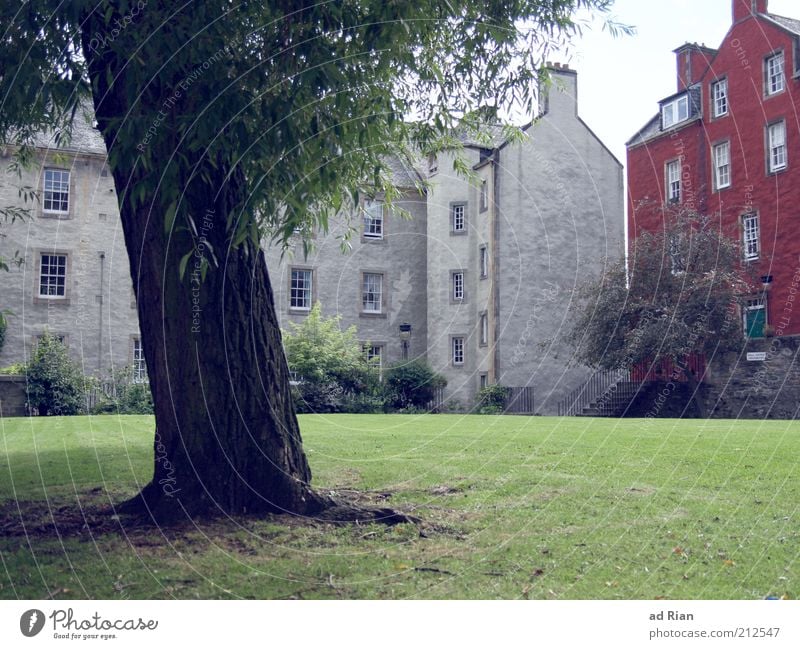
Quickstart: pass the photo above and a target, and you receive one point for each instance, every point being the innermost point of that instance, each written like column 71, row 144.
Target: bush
column 491, row 400
column 55, row 383
column 333, row 375
column 16, row 368
column 126, row 397
column 412, row 385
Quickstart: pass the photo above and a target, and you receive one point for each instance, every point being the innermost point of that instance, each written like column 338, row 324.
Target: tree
column 412, row 384
column 226, row 122
column 676, row 295
column 333, row 373
column 55, row 382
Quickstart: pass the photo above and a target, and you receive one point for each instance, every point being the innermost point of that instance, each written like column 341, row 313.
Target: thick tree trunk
column 227, row 439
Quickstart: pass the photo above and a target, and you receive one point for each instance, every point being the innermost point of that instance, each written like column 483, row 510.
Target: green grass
column 540, row 508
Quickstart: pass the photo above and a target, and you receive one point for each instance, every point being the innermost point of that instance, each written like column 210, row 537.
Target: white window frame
column 675, row 111
column 138, row 365
column 719, row 98
column 775, row 74
column 457, row 286
column 55, row 271
column 458, row 217
column 751, row 232
column 371, row 353
column 373, row 220
column 56, row 182
column 672, row 171
column 721, row 153
column 301, row 296
column 372, row 292
column 457, row 350
column 776, row 147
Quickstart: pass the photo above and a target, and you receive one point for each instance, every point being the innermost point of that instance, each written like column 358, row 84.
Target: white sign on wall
column 757, row 356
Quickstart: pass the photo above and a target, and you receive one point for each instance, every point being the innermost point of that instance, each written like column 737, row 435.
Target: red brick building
column 728, row 144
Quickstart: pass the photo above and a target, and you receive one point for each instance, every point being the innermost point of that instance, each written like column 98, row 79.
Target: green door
column 756, row 321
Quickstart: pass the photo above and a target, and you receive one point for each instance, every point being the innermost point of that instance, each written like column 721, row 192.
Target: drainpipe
column 100, row 317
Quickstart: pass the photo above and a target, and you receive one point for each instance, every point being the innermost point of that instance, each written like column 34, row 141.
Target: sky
column 621, row 80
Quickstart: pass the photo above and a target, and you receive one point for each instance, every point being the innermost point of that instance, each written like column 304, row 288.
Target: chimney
column 745, row 8
column 693, row 60
column 561, row 94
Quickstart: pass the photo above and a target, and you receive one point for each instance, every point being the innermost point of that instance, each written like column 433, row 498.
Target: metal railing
column 597, row 385
column 519, row 401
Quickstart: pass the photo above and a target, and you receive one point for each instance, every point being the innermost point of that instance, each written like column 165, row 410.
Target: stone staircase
column 615, row 400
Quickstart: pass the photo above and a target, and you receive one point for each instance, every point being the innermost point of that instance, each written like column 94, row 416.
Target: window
column 674, row 181
column 372, row 293
column 719, row 98
column 484, row 380
column 484, row 261
column 373, row 355
column 457, row 349
column 751, row 236
column 138, row 367
column 373, row 220
column 776, row 139
column 53, row 276
column 774, row 76
column 484, row 334
column 300, row 289
column 675, row 111
column 484, row 195
column 457, row 284
column 458, row 217
column 722, row 165
column 56, row 191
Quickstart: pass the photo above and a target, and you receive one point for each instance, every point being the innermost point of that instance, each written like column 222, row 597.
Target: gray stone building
column 478, row 280
column 485, row 271
column 75, row 280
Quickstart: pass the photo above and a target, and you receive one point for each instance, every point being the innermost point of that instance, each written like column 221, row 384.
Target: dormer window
column 675, row 111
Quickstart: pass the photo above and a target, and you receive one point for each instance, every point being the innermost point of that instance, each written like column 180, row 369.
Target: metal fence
column 597, row 385
column 520, row 401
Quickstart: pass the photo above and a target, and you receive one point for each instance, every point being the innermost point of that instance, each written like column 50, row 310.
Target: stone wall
column 12, row 396
column 739, row 388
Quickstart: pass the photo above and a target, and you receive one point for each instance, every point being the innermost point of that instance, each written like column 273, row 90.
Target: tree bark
column 227, row 439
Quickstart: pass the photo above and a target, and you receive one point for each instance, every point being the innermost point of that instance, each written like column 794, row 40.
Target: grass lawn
column 512, row 507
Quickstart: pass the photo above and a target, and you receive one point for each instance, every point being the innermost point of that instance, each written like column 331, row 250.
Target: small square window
column 300, row 289
column 675, row 111
column 373, row 354
column 56, row 191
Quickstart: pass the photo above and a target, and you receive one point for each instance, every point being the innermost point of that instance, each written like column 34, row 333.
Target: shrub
column 412, row 385
column 125, row 397
column 333, row 375
column 491, row 400
column 55, row 383
column 16, row 368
